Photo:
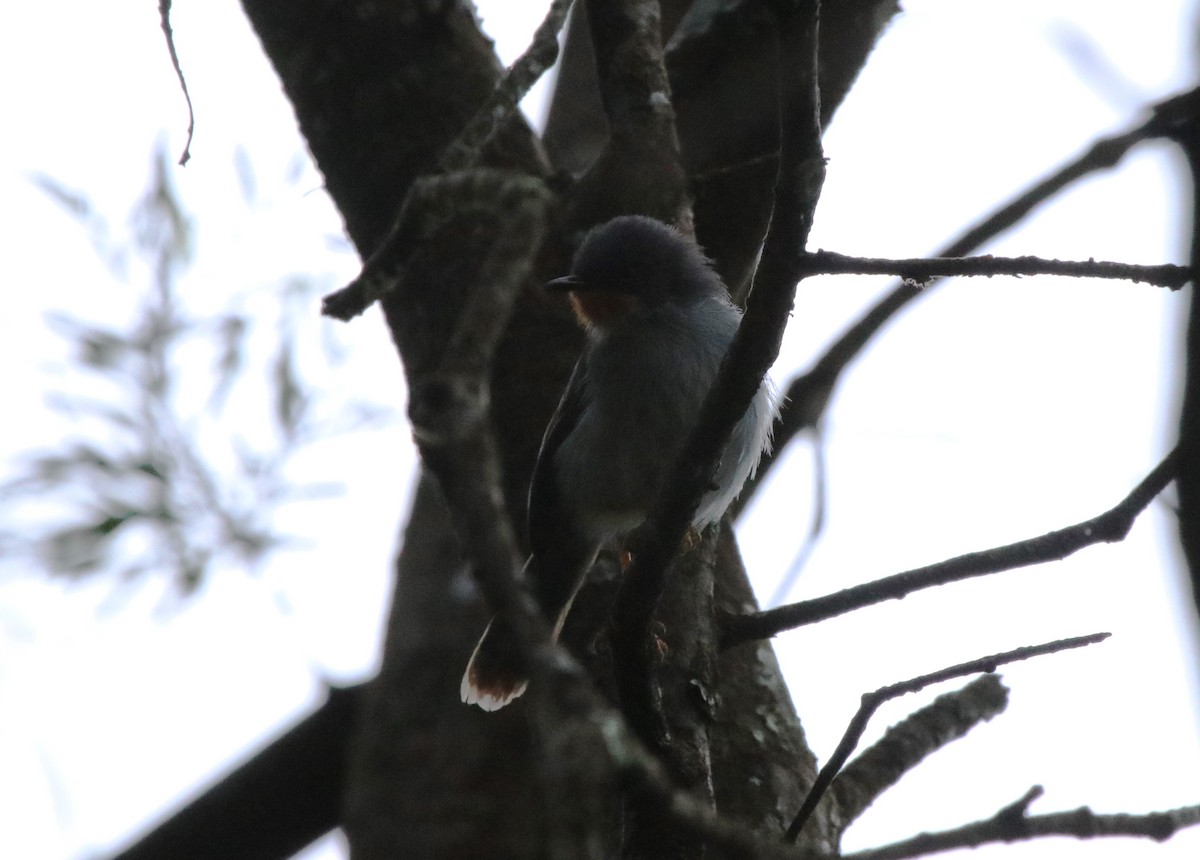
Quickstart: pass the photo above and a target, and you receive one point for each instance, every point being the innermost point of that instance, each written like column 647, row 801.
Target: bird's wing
column 547, row 516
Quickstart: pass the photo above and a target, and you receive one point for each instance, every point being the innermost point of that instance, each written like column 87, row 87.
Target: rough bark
column 378, row 90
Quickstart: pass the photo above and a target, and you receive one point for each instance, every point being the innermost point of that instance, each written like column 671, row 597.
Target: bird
column 658, row 321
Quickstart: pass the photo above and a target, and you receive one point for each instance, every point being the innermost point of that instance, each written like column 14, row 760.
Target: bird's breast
column 601, row 308
column 645, row 383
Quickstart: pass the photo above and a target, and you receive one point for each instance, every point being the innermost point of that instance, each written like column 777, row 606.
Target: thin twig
column 421, row 214
column 919, row 272
column 816, row 526
column 1109, row 527
column 909, row 742
column 872, row 701
column 541, row 54
column 1013, row 824
column 164, row 21
column 384, row 268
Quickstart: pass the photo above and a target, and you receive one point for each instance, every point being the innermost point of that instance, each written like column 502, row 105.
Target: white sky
column 991, row 411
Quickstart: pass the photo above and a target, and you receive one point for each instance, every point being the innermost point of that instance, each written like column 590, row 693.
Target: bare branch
column 164, row 21
column 808, row 394
column 919, row 272
column 641, row 168
column 634, row 89
column 541, row 54
column 1187, row 136
column 430, row 203
column 449, row 412
column 449, row 409
column 909, row 742
column 753, row 351
column 1013, row 824
column 1109, row 527
column 816, row 526
column 383, row 270
column 872, row 701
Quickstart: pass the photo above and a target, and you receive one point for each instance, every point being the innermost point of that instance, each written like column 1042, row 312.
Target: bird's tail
column 494, row 675
column 496, row 672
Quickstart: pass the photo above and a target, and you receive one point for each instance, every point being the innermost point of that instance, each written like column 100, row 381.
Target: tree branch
column 1187, row 136
column 640, row 169
column 753, row 351
column 164, row 22
column 919, row 272
column 384, row 268
column 1109, row 527
column 909, row 742
column 449, row 414
column 464, row 151
column 872, row 701
column 808, row 394
column 1013, row 824
column 271, row 806
column 449, row 407
column 816, row 526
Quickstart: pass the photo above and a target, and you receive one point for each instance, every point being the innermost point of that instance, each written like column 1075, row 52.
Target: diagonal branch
column 872, row 701
column 920, row 272
column 1109, row 527
column 909, row 742
column 466, row 149
column 384, row 268
column 422, row 213
column 1014, row 824
column 816, row 526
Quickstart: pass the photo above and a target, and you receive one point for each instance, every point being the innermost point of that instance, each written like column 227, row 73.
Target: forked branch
column 1014, row 824
column 1111, row 526
column 872, row 701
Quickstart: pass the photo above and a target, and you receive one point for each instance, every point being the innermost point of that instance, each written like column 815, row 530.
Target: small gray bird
column 658, row 322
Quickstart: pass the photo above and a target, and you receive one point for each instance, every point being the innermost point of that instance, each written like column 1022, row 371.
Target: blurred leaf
column 108, row 525
column 96, row 347
column 89, row 456
column 244, row 171
column 161, row 229
column 312, row 491
column 291, row 401
column 151, row 470
column 79, row 206
column 75, row 550
column 231, row 341
column 296, row 168
column 74, row 201
column 141, row 458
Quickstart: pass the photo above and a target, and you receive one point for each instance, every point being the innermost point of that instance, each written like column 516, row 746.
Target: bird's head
column 631, row 264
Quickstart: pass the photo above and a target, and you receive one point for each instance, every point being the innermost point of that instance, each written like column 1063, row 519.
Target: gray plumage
column 658, row 322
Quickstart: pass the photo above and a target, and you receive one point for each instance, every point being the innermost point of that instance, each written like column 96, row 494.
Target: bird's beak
column 564, row 284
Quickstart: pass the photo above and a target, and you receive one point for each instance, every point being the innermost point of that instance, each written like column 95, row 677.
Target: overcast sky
column 988, row 412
